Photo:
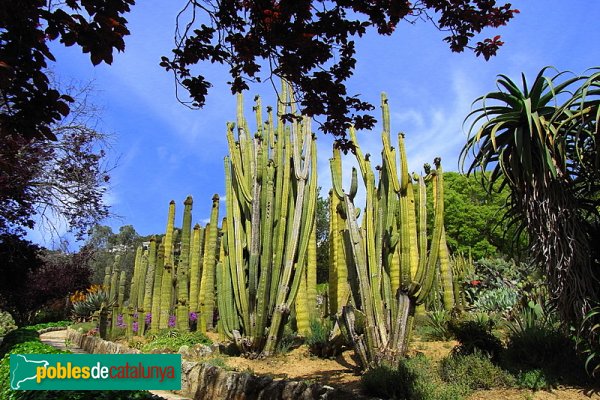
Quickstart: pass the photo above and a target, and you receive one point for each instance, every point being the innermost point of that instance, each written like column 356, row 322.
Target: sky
column 164, row 151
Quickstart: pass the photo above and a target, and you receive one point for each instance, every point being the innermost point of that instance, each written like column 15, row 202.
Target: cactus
column 270, row 200
column 391, row 268
column 183, row 268
column 196, row 266
column 207, row 284
column 157, row 288
column 148, row 286
column 135, row 280
column 113, row 290
column 167, row 272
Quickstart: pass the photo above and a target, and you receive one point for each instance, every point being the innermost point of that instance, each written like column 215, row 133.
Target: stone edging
column 51, row 329
column 203, row 381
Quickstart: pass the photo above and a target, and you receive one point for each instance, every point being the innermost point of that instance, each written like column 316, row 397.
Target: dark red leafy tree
column 29, row 104
column 310, row 43
column 56, row 183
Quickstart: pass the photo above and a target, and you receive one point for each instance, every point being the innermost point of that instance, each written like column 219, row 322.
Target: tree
column 60, row 181
column 310, row 43
column 473, row 219
column 33, row 276
column 106, row 245
column 541, row 142
column 29, row 103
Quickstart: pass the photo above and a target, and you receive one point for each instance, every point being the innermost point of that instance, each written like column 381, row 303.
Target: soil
column 342, row 371
column 299, row 364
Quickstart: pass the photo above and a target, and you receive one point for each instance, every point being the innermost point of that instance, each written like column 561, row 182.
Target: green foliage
column 540, row 140
column 318, row 340
column 588, row 340
column 473, row 218
column 414, row 379
column 169, row 341
column 437, row 322
column 92, row 303
column 57, row 324
column 496, row 300
column 17, row 336
column 475, row 371
column 533, row 379
column 497, row 285
column 473, row 337
column 7, row 323
column 289, row 340
column 535, row 342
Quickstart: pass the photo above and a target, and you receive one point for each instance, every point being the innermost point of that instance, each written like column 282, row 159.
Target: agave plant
column 541, row 141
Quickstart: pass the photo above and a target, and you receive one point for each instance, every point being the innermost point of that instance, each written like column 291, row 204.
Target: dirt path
column 59, row 340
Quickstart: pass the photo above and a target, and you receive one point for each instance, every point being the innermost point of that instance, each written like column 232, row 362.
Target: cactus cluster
column 167, row 277
column 384, row 259
column 271, row 190
column 388, row 259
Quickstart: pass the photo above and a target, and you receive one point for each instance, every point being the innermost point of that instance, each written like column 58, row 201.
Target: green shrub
column 475, row 371
column 534, row 379
column 17, row 336
column 7, row 323
column 45, row 325
column 437, row 321
column 318, row 340
column 168, row 341
column 475, row 337
column 414, row 379
column 289, row 340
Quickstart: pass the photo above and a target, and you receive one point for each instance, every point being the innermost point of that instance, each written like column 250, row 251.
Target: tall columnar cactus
column 391, row 266
column 196, row 266
column 167, row 273
column 157, row 288
column 135, row 279
column 121, row 291
column 148, row 286
column 306, row 299
column 207, row 284
column 141, row 278
column 270, row 198
column 183, row 267
column 114, row 288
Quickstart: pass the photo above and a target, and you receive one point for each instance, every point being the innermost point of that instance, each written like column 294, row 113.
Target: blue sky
column 166, row 151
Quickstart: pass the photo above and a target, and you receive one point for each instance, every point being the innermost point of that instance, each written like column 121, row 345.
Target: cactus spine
column 391, row 268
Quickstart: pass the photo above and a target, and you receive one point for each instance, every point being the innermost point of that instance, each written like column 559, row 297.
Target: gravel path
column 59, row 340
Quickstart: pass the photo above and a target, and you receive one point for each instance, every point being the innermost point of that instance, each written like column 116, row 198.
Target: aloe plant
column 390, row 263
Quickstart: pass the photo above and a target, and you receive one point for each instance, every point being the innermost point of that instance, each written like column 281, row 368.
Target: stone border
column 52, row 329
column 204, row 381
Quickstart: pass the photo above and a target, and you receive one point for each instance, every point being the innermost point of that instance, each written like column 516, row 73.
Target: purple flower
column 171, row 321
column 193, row 316
column 135, row 326
column 148, row 318
column 120, row 322
column 135, row 315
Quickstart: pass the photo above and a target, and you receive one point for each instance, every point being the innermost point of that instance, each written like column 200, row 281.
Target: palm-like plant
column 542, row 141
